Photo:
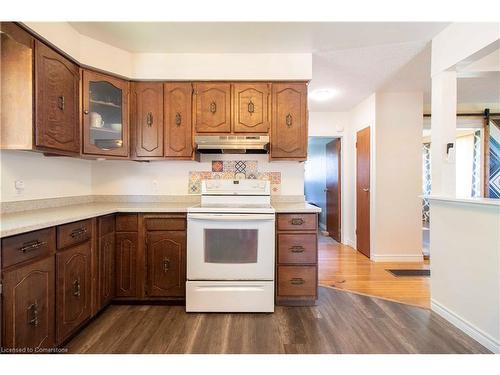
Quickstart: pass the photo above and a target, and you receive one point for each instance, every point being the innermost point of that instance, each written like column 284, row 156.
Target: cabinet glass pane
column 231, row 246
column 105, row 115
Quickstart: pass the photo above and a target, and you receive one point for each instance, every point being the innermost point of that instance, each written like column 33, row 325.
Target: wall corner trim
column 466, row 327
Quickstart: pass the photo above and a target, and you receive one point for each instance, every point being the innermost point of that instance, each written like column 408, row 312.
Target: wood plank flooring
column 342, row 322
column 343, row 267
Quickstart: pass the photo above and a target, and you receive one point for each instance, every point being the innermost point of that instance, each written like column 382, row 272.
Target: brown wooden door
column 363, row 191
column 28, row 305
column 105, row 115
column 72, row 289
column 251, row 107
column 147, row 115
column 126, row 264
column 333, row 193
column 178, row 117
column 166, row 257
column 212, row 107
column 289, row 121
column 107, row 267
column 57, row 125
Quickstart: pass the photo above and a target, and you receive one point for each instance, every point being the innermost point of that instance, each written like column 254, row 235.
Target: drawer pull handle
column 298, row 221
column 76, row 288
column 166, row 265
column 33, row 245
column 297, row 249
column 33, row 314
column 78, row 232
column 297, row 281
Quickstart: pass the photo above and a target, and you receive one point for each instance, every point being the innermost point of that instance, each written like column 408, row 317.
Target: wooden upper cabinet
column 28, row 305
column 105, row 115
column 251, row 107
column 212, row 107
column 57, row 125
column 147, row 118
column 178, row 121
column 289, row 121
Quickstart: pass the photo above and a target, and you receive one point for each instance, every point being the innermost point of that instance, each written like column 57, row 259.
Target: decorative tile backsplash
column 233, row 169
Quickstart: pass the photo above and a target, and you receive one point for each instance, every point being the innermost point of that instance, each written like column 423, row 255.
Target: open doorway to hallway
column 323, row 181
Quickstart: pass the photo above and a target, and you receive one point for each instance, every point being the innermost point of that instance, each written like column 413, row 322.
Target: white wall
column 114, row 177
column 465, row 268
column 44, row 177
column 397, row 233
column 242, row 66
column 328, row 124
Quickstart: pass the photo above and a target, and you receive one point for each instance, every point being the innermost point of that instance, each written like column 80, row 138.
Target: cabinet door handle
column 289, row 120
column 33, row 314
column 297, row 249
column 76, row 288
column 166, row 265
column 297, row 281
column 366, row 190
column 60, row 102
column 298, row 221
column 213, row 107
column 251, row 107
column 178, row 119
column 149, row 119
column 33, row 245
column 78, row 232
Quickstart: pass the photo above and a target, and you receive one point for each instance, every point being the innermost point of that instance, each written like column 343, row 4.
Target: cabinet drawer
column 73, row 233
column 297, row 248
column 126, row 223
column 106, row 224
column 23, row 247
column 297, row 281
column 297, row 221
column 166, row 223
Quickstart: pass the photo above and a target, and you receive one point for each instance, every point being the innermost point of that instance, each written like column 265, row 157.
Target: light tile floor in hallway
column 342, row 267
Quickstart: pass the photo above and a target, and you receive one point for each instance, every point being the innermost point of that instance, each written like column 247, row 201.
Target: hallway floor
column 342, row 267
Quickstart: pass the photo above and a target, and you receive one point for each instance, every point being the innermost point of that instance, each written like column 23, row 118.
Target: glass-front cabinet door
column 105, row 115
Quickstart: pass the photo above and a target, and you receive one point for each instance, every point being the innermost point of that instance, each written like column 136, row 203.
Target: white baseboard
column 350, row 243
column 466, row 327
column 396, row 258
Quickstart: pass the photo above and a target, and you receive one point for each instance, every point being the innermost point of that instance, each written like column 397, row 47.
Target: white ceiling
column 355, row 59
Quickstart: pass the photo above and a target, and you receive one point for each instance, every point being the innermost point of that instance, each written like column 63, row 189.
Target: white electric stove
column 230, row 248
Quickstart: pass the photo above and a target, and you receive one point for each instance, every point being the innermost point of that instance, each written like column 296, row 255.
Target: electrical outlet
column 19, row 185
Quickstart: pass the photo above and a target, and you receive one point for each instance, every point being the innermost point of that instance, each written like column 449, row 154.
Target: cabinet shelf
column 106, row 104
column 105, row 130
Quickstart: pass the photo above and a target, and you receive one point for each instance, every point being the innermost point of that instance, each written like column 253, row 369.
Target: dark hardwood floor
column 342, row 322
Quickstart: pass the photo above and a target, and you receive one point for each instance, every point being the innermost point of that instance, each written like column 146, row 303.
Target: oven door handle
column 231, row 217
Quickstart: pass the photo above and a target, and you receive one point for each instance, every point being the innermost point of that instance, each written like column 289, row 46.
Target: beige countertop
column 26, row 221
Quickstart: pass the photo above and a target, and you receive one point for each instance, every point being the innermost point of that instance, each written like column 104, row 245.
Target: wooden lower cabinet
column 107, row 268
column 72, row 289
column 166, row 263
column 297, row 259
column 28, row 305
column 126, row 264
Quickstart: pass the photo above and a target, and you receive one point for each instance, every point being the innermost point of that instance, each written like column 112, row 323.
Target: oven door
column 230, row 246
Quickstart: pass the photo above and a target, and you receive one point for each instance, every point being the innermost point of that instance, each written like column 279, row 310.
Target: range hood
column 232, row 144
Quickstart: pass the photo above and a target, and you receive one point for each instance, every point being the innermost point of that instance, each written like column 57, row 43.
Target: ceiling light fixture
column 322, row 95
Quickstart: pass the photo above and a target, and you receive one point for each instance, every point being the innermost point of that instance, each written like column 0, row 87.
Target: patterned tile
column 228, row 175
column 217, row 166
column 228, row 165
column 239, row 176
column 194, row 187
column 251, row 175
column 251, row 166
column 275, row 189
column 263, row 176
column 275, row 178
column 217, row 175
column 240, row 166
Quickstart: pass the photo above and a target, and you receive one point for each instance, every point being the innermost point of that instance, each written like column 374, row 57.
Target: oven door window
column 231, row 246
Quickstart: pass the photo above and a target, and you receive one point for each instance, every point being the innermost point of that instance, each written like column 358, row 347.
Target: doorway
column 322, row 182
column 363, row 191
